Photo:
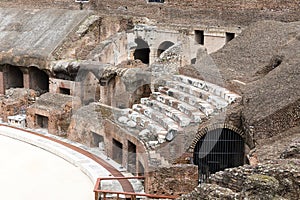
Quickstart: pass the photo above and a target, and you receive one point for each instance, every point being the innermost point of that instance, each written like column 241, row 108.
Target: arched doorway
column 142, row 51
column 219, row 149
column 164, row 46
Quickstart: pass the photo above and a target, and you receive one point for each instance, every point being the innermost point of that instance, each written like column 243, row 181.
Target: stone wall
column 276, row 123
column 229, row 12
column 96, row 118
column 173, row 180
column 91, row 36
column 15, row 101
column 279, row 179
column 57, row 108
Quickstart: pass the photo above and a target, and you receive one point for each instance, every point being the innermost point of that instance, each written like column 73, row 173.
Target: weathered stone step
column 169, row 124
column 217, row 101
column 146, row 123
column 212, row 88
column 176, row 115
column 193, row 112
column 204, row 106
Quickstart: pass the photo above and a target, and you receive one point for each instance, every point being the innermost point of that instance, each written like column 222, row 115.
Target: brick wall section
column 277, row 122
column 174, row 180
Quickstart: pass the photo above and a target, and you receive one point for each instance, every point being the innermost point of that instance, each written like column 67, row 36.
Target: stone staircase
column 181, row 102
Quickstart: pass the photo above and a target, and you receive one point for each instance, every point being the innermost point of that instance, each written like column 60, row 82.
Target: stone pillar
column 26, row 77
column 26, row 80
column 2, row 83
column 152, row 55
column 3, row 79
column 125, row 153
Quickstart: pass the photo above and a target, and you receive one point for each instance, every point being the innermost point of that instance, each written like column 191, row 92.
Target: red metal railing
column 131, row 195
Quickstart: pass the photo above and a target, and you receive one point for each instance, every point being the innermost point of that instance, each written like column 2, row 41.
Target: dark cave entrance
column 217, row 150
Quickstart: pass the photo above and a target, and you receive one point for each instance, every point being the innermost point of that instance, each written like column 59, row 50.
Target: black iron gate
column 217, row 150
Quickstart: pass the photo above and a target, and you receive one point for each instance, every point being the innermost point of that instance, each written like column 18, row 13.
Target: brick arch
column 202, row 131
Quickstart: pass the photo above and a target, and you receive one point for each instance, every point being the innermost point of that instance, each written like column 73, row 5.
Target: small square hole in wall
column 199, row 37
column 156, row 1
column 65, row 91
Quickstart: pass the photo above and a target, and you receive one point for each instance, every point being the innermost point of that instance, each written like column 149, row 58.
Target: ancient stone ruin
column 199, row 97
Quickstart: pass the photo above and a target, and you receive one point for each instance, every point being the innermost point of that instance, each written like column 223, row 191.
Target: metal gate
column 217, row 150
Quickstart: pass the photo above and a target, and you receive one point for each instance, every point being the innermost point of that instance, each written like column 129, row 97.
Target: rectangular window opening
column 66, row 91
column 156, row 1
column 199, row 37
column 42, row 121
column 131, row 157
column 117, row 151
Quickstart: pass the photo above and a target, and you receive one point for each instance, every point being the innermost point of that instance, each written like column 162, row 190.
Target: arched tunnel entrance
column 164, row 46
column 142, row 51
column 217, row 150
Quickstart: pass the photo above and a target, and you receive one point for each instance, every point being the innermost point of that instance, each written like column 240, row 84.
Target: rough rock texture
column 274, row 147
column 16, row 101
column 293, row 150
column 221, row 12
column 174, row 180
column 169, row 61
column 34, row 47
column 279, row 179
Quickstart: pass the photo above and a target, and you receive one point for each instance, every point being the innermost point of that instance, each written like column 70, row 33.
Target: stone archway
column 142, row 51
column 218, row 147
column 164, row 46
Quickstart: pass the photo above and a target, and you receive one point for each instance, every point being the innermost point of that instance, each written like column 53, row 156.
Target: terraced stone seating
column 181, row 102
